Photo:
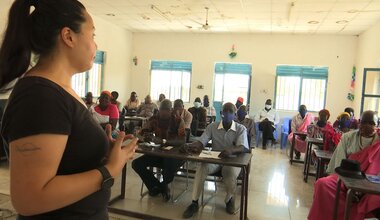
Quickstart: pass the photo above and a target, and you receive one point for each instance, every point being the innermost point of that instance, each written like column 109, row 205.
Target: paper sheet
column 209, row 154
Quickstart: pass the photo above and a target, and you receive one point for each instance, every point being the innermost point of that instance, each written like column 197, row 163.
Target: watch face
column 108, row 183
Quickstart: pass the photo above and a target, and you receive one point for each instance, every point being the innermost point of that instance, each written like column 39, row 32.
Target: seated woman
column 323, row 129
column 169, row 129
column 105, row 112
column 299, row 124
column 199, row 117
column 352, row 122
column 363, row 146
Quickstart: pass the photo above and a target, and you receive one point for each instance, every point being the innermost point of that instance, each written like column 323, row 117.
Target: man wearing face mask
column 210, row 110
column 351, row 123
column 199, row 117
column 248, row 123
column 267, row 119
column 363, row 146
column 228, row 137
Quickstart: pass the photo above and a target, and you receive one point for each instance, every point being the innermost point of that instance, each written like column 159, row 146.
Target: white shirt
column 271, row 115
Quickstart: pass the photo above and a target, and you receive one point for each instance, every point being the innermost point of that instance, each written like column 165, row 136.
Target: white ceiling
column 236, row 16
column 240, row 16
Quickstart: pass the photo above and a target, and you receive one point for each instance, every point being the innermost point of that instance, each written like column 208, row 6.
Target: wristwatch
column 108, row 180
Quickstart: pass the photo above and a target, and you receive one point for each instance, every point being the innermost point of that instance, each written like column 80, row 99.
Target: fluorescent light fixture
column 158, row 11
column 313, row 22
column 342, row 22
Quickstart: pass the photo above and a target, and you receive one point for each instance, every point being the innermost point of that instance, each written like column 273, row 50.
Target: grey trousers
column 229, row 174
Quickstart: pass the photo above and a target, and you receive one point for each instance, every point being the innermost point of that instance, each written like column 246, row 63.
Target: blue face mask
column 345, row 124
column 228, row 117
column 241, row 114
column 303, row 113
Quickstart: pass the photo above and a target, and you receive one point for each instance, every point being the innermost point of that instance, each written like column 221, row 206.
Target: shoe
column 154, row 191
column 298, row 156
column 191, row 210
column 230, row 206
column 274, row 142
column 264, row 147
column 166, row 194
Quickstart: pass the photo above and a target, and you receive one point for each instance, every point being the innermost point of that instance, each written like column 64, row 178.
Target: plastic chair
column 258, row 133
column 285, row 130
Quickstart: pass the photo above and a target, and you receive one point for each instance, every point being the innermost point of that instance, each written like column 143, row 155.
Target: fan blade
column 196, row 21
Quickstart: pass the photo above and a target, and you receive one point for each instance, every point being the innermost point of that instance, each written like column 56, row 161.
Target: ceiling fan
column 204, row 26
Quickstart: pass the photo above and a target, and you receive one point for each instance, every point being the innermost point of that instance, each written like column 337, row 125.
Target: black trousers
column 169, row 168
column 267, row 128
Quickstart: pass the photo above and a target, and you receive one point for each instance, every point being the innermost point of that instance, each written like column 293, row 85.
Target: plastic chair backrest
column 285, row 127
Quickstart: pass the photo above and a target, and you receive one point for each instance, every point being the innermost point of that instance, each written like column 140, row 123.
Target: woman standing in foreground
column 62, row 163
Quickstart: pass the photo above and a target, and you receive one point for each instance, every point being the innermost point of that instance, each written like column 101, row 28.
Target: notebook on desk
column 373, row 178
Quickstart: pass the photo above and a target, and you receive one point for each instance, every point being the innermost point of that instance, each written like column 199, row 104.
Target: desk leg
column 336, row 209
column 319, row 173
column 307, row 162
column 123, row 182
column 246, row 191
column 292, row 149
column 242, row 196
column 306, row 159
column 350, row 194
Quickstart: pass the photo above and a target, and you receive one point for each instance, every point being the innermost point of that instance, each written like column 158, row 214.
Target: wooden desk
column 309, row 146
column 295, row 134
column 353, row 185
column 323, row 157
column 242, row 160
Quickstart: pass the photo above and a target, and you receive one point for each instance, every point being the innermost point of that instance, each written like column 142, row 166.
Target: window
column 296, row 85
column 232, row 80
column 370, row 90
column 90, row 81
column 171, row 78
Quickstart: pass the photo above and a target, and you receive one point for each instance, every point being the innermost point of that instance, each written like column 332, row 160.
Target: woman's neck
column 54, row 69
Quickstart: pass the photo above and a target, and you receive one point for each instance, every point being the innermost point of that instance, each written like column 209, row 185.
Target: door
column 228, row 87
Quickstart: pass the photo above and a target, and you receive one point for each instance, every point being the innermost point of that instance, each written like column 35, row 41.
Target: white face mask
column 197, row 104
column 268, row 106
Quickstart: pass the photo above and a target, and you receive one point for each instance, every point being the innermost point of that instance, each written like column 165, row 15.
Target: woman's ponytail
column 15, row 51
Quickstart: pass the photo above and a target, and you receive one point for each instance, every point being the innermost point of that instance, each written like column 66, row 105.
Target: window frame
column 99, row 60
column 171, row 69
column 302, row 77
column 364, row 94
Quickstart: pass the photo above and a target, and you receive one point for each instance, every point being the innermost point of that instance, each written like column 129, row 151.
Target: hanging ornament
column 351, row 93
column 233, row 53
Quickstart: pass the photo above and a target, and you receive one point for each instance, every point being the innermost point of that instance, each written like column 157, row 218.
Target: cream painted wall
column 368, row 56
column 117, row 43
column 264, row 52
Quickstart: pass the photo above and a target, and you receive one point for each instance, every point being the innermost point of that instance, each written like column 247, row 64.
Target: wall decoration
column 351, row 93
column 233, row 53
column 135, row 60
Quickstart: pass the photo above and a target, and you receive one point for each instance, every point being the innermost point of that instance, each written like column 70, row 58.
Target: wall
column 264, row 52
column 368, row 56
column 117, row 43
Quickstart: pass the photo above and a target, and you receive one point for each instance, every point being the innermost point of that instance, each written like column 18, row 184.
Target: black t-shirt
column 39, row 106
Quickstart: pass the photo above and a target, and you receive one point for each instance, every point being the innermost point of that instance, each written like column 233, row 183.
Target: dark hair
column 349, row 110
column 34, row 32
column 197, row 99
column 115, row 94
column 178, row 103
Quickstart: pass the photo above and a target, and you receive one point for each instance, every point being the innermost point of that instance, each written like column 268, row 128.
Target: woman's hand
column 120, row 154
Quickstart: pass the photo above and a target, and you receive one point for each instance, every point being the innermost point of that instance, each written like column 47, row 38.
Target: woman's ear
column 67, row 37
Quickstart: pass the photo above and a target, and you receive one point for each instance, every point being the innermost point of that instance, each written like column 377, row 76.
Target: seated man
column 199, row 117
column 324, row 130
column 185, row 115
column 267, row 118
column 228, row 137
column 105, row 113
column 89, row 100
column 211, row 113
column 300, row 122
column 249, row 125
column 363, row 146
column 132, row 104
column 147, row 108
column 169, row 129
column 114, row 101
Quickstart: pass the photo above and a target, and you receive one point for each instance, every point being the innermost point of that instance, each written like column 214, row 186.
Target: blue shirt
column 222, row 139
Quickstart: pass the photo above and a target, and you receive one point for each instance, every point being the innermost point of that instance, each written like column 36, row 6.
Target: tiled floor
column 276, row 191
